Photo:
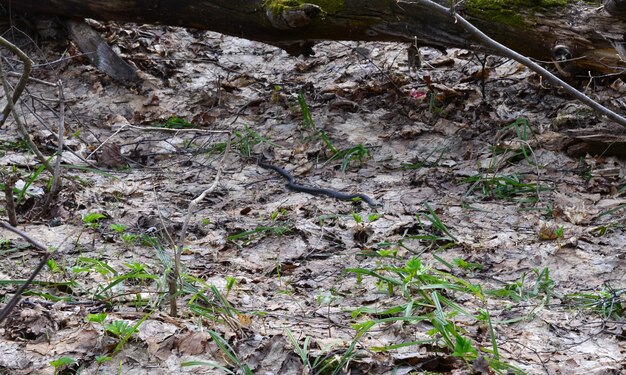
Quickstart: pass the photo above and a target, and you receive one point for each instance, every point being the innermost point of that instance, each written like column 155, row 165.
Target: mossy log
column 581, row 36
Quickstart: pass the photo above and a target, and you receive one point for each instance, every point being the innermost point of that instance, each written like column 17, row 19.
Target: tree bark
column 579, row 36
column 615, row 8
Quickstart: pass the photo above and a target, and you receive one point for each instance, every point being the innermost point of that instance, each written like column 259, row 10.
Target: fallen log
column 578, row 36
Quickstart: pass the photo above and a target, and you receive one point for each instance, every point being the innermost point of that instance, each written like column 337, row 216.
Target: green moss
column 505, row 16
column 278, row 6
column 511, row 4
column 328, row 6
column 507, row 11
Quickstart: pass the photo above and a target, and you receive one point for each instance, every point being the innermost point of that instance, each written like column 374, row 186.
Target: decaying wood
column 615, row 8
column 593, row 38
column 100, row 53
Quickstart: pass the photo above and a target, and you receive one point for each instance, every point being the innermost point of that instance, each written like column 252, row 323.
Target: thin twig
column 42, row 122
column 156, row 128
column 174, row 276
column 151, row 128
column 56, row 177
column 21, row 84
column 20, row 126
column 507, row 52
column 194, row 203
column 17, row 296
column 9, row 185
column 172, row 284
column 16, row 74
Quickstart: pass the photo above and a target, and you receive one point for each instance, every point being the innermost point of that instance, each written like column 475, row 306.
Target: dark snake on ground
column 292, row 185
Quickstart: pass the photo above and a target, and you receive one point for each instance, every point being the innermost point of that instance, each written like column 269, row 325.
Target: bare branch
column 20, row 125
column 9, row 184
column 56, row 177
column 507, row 52
column 17, row 296
column 200, row 198
column 21, row 84
column 173, row 277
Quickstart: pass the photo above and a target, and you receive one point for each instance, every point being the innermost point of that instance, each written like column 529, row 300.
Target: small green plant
column 608, row 302
column 230, row 284
column 523, row 133
column 549, row 212
column 373, row 217
column 338, row 364
column 450, row 334
column 216, row 148
column 558, row 232
column 97, row 318
column 20, row 145
column 415, row 276
column 84, row 265
column 130, row 238
column 388, row 253
column 357, row 154
column 21, row 193
column 439, row 229
column 602, row 230
column 613, row 210
column 214, row 307
column 62, row 362
column 249, row 138
column 426, row 294
column 370, row 218
column 53, row 266
column 123, row 330
column 136, row 267
column 119, row 328
column 101, row 359
column 276, row 214
column 435, row 105
column 174, row 122
column 91, row 220
column 526, row 288
column 509, row 187
column 424, row 162
column 301, row 351
column 136, row 276
column 280, row 226
column 118, row 228
column 309, row 124
column 229, row 353
column 468, row 266
column 512, row 187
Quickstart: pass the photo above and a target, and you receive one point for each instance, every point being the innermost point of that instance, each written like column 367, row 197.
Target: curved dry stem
column 173, row 277
column 21, row 84
column 20, row 125
column 18, row 294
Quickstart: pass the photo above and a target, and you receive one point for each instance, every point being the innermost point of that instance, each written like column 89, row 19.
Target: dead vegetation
column 498, row 246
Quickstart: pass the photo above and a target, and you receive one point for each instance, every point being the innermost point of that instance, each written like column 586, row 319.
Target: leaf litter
column 499, row 241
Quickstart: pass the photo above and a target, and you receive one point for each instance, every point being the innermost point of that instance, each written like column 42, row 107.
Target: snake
column 294, row 186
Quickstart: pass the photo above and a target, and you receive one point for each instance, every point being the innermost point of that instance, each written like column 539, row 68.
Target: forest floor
column 497, row 243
